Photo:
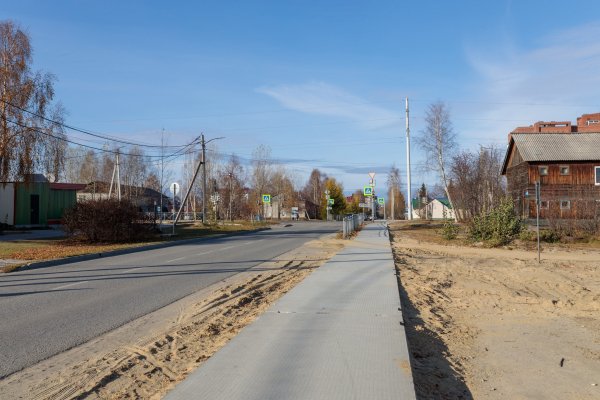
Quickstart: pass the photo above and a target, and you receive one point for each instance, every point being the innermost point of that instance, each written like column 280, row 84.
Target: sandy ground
column 149, row 356
column 495, row 324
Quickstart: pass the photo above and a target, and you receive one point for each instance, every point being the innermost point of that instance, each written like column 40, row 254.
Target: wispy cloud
column 320, row 98
column 555, row 80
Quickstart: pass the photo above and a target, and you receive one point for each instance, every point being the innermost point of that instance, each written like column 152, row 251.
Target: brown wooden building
column 565, row 159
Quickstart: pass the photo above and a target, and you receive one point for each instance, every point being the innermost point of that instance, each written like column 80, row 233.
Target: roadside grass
column 430, row 231
column 50, row 249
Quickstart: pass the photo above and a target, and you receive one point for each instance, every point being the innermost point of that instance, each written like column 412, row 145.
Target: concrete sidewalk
column 337, row 335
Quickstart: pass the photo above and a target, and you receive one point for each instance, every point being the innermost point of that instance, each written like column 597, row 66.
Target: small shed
column 36, row 203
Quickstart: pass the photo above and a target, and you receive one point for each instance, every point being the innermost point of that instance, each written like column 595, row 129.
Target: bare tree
column 476, row 184
column 438, row 141
column 395, row 203
column 134, row 171
column 88, row 168
column 261, row 174
column 313, row 190
column 25, row 98
column 235, row 203
column 283, row 188
column 56, row 147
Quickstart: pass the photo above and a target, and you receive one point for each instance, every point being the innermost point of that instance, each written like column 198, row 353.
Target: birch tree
column 438, row 141
column 25, row 98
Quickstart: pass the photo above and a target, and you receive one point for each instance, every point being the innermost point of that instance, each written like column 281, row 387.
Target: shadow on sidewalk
column 433, row 375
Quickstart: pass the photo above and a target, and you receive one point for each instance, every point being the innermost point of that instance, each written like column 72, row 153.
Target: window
column 544, row 204
column 592, row 122
column 565, row 204
column 564, row 170
column 543, row 169
column 597, row 175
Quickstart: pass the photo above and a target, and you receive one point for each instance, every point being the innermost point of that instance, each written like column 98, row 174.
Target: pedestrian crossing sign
column 381, row 200
column 330, row 202
column 266, row 198
column 368, row 191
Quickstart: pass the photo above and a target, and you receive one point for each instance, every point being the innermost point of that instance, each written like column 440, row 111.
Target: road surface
column 49, row 310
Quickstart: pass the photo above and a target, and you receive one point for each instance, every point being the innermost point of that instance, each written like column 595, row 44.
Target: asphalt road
column 49, row 310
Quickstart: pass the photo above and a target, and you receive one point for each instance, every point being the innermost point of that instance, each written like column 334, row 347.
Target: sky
column 322, row 83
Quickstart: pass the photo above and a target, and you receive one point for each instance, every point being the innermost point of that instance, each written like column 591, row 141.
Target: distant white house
column 438, row 208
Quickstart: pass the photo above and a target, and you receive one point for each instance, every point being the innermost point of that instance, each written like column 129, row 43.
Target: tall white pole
column 409, row 192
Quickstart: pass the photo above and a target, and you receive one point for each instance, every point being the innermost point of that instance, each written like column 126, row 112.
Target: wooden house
column 565, row 159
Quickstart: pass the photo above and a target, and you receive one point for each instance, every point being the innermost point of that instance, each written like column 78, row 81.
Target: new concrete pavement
column 48, row 310
column 337, row 335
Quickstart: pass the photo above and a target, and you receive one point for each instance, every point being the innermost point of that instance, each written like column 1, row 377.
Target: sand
column 495, row 324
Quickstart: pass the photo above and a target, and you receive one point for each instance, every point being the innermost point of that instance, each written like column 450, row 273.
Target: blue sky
column 322, row 82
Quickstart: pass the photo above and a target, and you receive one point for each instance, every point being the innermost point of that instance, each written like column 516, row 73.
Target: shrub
column 449, row 230
column 497, row 227
column 527, row 236
column 108, row 220
column 550, row 236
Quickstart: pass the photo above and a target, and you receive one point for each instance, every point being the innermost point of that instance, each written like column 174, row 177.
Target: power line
column 35, row 129
column 84, row 131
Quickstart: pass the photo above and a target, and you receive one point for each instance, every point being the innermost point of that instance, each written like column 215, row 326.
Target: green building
column 37, row 203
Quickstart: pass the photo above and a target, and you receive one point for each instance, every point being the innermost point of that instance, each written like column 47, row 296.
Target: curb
column 112, row 253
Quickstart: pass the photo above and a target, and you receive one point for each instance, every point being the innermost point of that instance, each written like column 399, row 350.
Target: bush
column 527, row 236
column 550, row 236
column 449, row 230
column 498, row 227
column 102, row 221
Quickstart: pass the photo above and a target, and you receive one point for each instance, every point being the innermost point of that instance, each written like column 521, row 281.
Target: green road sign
column 381, row 200
column 368, row 191
column 330, row 202
column 266, row 198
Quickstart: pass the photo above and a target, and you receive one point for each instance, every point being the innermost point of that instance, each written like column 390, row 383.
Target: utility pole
column 112, row 180
column 187, row 195
column 327, row 202
column 393, row 194
column 118, row 177
column 203, row 163
column 373, row 202
column 230, row 195
column 162, row 170
column 409, row 197
column 203, row 144
column 538, row 195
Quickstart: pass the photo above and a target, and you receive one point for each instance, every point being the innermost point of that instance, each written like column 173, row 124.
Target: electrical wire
column 87, row 132
column 38, row 130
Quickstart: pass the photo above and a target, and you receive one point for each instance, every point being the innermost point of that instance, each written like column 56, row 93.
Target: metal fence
column 351, row 223
column 169, row 216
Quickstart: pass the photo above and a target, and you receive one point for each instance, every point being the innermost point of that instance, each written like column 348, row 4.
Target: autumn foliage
column 108, row 221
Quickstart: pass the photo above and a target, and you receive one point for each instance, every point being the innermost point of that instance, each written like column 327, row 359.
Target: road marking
column 176, row 259
column 131, row 270
column 69, row 285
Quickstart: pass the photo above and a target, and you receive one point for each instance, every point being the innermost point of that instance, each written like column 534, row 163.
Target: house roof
column 67, row 186
column 554, row 147
column 444, row 201
column 417, row 204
